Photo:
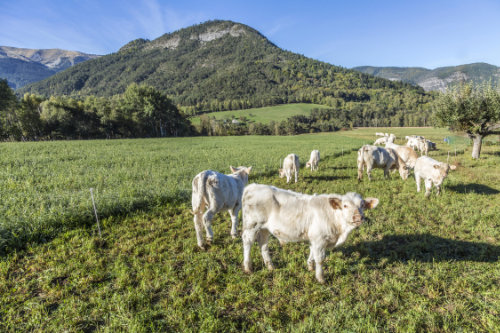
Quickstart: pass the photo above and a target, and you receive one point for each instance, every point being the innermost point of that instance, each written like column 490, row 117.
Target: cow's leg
column 417, row 180
column 319, row 257
column 369, row 172
column 310, row 260
column 438, row 188
column 198, row 226
column 296, row 175
column 387, row 173
column 248, row 238
column 207, row 220
column 234, row 219
column 360, row 170
column 428, row 187
column 263, row 239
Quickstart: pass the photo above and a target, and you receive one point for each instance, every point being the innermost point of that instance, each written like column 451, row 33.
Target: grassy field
column 266, row 114
column 416, row 265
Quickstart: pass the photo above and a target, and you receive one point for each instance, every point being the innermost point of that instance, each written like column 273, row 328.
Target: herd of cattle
column 324, row 220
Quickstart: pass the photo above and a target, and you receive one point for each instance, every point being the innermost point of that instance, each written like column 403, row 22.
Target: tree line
column 141, row 111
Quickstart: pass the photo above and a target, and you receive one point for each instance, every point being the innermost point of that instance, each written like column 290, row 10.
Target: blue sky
column 346, row 33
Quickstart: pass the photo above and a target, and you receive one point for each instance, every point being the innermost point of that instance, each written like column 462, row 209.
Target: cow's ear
column 233, row 169
column 335, row 203
column 249, row 169
column 453, row 167
column 370, row 203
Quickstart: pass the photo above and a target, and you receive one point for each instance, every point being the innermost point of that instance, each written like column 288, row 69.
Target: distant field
column 416, row 265
column 267, row 114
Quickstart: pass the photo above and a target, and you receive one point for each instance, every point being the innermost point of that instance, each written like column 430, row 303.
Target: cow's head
column 443, row 168
column 353, row 206
column 282, row 172
column 308, row 164
column 242, row 172
column 404, row 170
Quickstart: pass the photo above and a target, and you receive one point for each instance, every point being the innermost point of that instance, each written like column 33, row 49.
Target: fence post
column 95, row 211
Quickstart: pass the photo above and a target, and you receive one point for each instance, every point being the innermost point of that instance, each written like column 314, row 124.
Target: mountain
column 437, row 79
column 223, row 65
column 23, row 66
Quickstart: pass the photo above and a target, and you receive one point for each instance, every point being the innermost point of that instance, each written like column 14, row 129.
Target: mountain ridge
column 437, row 79
column 21, row 66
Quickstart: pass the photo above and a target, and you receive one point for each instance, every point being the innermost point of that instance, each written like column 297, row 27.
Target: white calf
column 313, row 160
column 290, row 165
column 432, row 171
column 378, row 157
column 407, row 154
column 217, row 192
column 324, row 220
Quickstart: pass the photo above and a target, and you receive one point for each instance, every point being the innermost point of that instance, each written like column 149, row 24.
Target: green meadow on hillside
column 265, row 114
column 416, row 264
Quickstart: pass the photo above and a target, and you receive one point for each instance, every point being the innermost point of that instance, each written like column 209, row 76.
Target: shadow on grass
column 492, row 153
column 424, row 248
column 324, row 177
column 472, row 188
column 17, row 237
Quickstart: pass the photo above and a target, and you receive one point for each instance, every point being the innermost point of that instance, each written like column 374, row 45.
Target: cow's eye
column 345, row 206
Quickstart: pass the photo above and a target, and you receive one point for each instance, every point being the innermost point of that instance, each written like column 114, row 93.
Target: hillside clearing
column 264, row 115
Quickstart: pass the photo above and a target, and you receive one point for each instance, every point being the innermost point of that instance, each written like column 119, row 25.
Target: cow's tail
column 201, row 191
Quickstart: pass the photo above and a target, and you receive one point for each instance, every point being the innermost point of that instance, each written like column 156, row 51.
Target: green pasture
column 265, row 114
column 428, row 265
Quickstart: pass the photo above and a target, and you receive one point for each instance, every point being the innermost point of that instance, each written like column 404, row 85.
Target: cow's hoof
column 321, row 281
column 270, row 266
column 234, row 236
column 310, row 267
column 247, row 270
column 202, row 247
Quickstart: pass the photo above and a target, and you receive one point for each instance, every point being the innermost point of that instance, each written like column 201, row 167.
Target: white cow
column 381, row 141
column 324, row 220
column 432, row 171
column 216, row 192
column 382, row 158
column 379, row 134
column 386, row 139
column 290, row 166
column 413, row 141
column 313, row 160
column 407, row 154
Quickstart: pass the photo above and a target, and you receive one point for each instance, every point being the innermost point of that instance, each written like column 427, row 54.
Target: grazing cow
column 324, row 220
column 381, row 141
column 407, row 154
column 425, row 145
column 290, row 165
column 433, row 172
column 378, row 157
column 313, row 160
column 379, row 134
column 217, row 192
column 413, row 141
column 388, row 138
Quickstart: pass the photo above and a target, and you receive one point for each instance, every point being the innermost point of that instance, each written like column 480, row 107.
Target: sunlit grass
column 417, row 264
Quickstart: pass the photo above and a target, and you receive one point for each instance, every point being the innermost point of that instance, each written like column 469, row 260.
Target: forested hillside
column 222, row 65
column 437, row 79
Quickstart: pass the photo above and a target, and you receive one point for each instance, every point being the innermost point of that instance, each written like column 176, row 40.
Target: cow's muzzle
column 357, row 220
